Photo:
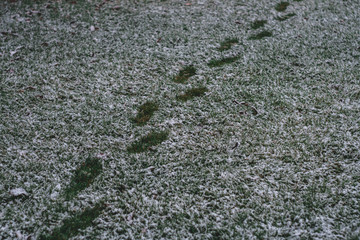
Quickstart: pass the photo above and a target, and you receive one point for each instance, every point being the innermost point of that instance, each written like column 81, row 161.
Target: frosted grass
column 73, row 76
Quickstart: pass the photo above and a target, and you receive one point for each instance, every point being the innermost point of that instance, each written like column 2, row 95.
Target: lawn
column 168, row 119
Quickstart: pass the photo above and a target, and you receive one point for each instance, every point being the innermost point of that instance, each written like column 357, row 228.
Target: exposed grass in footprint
column 150, row 140
column 191, row 93
column 145, row 112
column 227, row 44
column 223, row 61
column 260, row 35
column 83, row 177
column 258, row 24
column 185, row 74
column 281, row 7
column 72, row 226
column 286, row 17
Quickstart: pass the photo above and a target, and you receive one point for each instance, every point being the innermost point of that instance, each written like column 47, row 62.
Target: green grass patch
column 221, row 62
column 258, row 24
column 260, row 35
column 191, row 93
column 145, row 112
column 227, row 44
column 286, row 17
column 185, row 74
column 72, row 226
column 148, row 141
column 281, row 7
column 83, row 177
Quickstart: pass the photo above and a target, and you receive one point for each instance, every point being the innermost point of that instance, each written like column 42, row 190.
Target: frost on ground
column 270, row 150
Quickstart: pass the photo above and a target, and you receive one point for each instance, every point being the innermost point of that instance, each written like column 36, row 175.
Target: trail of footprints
column 86, row 173
column 146, row 110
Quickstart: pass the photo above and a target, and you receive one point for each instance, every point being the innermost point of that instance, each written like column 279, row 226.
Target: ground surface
column 174, row 120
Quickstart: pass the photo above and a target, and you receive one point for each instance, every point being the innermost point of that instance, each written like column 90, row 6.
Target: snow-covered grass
column 269, row 151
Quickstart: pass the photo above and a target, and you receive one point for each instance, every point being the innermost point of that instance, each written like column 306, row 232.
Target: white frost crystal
column 16, row 192
column 54, row 195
